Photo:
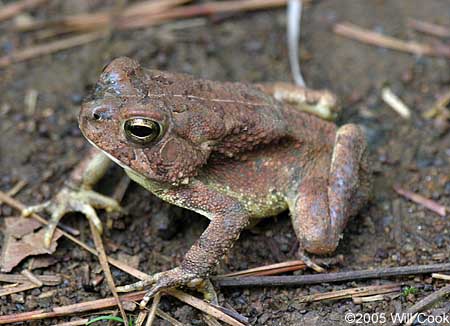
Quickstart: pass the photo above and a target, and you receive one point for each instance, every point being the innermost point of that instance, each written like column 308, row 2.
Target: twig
column 439, row 108
column 168, row 318
column 15, row 8
column 17, row 188
column 395, row 103
column 294, row 15
column 372, row 298
column 78, row 322
column 272, row 269
column 419, row 199
column 205, row 9
column 31, row 278
column 410, row 321
column 19, row 288
column 429, row 28
column 30, row 101
column 51, row 47
column 69, row 229
column 141, row 317
column 69, row 309
column 150, row 13
column 152, row 313
column 30, row 282
column 296, row 280
column 20, row 207
column 369, row 37
column 429, row 300
column 350, row 293
column 101, row 20
column 121, row 188
column 103, row 259
column 210, row 321
column 232, row 313
column 185, row 24
column 441, row 276
column 203, row 306
column 49, row 280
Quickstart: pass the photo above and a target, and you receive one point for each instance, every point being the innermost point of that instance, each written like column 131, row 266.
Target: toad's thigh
column 327, row 197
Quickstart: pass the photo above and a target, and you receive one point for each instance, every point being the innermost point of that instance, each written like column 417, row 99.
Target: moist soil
column 41, row 146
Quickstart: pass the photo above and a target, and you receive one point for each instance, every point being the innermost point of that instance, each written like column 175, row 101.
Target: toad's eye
column 141, row 130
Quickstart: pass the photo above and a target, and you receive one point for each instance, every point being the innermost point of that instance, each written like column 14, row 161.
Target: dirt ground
column 41, row 147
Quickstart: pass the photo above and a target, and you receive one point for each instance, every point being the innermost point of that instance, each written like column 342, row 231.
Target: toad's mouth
column 133, row 174
column 111, row 157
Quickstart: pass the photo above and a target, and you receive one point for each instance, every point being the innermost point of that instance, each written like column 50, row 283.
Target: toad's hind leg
column 323, row 204
column 321, row 103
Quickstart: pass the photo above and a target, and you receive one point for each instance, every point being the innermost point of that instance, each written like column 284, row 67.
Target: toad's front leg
column 228, row 218
column 77, row 194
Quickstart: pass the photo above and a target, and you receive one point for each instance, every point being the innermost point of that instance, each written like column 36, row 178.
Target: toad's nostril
column 101, row 113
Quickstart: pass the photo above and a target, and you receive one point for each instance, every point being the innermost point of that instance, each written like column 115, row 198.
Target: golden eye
column 141, row 130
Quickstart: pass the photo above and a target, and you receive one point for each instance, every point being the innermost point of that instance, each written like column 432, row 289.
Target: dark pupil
column 141, row 131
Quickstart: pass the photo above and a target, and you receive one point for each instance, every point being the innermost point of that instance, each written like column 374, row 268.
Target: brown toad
column 232, row 152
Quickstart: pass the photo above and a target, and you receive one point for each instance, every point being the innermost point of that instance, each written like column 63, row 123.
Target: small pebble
column 17, row 298
column 439, row 240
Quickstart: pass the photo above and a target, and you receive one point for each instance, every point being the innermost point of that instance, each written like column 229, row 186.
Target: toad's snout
column 95, row 118
column 96, row 112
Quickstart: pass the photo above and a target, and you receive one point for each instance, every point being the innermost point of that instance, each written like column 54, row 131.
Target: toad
column 232, row 152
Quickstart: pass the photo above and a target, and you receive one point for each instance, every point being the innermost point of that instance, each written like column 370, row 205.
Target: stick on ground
column 161, row 314
column 429, row 28
column 69, row 309
column 14, row 8
column 439, row 108
column 440, row 276
column 204, row 9
column 296, row 280
column 370, row 37
column 372, row 298
column 31, row 277
column 7, row 290
column 353, row 292
column 278, row 268
column 49, row 280
column 101, row 19
column 203, row 306
column 103, row 259
column 51, row 47
column 421, row 200
column 153, row 308
column 78, row 322
column 397, row 104
column 429, row 300
column 294, row 17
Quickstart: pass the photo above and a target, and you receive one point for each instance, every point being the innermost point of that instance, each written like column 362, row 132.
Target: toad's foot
column 309, row 262
column 171, row 279
column 73, row 200
column 321, row 103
